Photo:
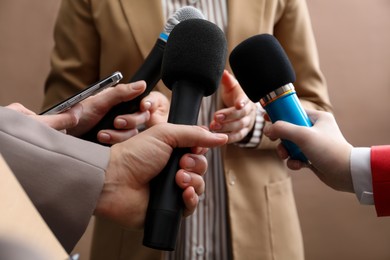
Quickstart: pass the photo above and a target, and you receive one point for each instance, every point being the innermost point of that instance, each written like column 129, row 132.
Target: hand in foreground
column 85, row 115
column 323, row 144
column 238, row 119
column 95, row 108
column 158, row 106
column 154, row 109
column 135, row 162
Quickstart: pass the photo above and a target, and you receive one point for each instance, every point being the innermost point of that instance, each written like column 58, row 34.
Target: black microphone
column 150, row 71
column 266, row 75
column 192, row 67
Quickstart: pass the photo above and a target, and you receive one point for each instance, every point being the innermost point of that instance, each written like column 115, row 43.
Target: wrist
column 252, row 139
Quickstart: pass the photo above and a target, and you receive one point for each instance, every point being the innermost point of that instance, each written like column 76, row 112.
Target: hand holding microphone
column 266, row 75
column 192, row 68
column 150, row 71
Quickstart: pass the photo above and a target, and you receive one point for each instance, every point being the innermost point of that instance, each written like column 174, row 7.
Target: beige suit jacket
column 97, row 37
column 59, row 173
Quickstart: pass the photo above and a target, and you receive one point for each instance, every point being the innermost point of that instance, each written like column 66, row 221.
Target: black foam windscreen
column 261, row 66
column 196, row 51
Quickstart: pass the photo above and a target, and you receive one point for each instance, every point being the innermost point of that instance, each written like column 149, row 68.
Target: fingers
column 282, row 151
column 190, row 179
column 291, row 164
column 239, row 117
column 284, row 130
column 191, row 200
column 110, row 97
column 154, row 101
column 199, row 150
column 185, row 179
column 295, row 165
column 115, row 136
column 193, row 167
column 131, row 121
column 20, row 108
column 235, row 123
column 188, row 136
column 62, row 121
column 232, row 114
column 314, row 114
column 158, row 106
column 232, row 93
column 194, row 163
column 225, row 126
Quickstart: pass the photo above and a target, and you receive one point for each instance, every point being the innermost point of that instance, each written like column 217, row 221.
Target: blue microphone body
column 283, row 104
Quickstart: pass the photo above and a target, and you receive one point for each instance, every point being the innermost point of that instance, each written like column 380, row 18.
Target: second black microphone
column 192, row 67
column 150, row 71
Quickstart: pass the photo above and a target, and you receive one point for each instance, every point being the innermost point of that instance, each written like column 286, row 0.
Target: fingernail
column 221, row 136
column 121, row 123
column 104, row 137
column 220, row 117
column 137, row 85
column 217, row 126
column 187, row 178
column 148, row 105
column 190, row 162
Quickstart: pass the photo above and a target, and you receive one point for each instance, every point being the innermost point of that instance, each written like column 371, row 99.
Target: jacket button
column 232, row 179
column 200, row 250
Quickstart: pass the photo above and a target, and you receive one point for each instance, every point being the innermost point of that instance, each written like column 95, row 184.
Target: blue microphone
column 265, row 73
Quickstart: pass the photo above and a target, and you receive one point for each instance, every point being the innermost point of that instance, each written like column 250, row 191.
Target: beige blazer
column 61, row 176
column 96, row 37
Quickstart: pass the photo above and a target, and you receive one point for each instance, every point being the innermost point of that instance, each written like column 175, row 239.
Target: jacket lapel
column 145, row 21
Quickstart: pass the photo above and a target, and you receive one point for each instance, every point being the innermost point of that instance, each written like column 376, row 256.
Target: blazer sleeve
column 62, row 175
column 294, row 32
column 380, row 168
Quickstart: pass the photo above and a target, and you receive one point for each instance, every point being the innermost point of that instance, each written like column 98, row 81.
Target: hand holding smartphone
column 87, row 92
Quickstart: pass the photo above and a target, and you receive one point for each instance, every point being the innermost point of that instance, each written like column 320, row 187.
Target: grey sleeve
column 62, row 175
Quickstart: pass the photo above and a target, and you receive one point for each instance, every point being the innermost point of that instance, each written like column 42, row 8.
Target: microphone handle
column 288, row 108
column 165, row 207
column 150, row 71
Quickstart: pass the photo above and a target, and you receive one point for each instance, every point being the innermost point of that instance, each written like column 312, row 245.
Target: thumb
column 232, row 93
column 120, row 93
column 192, row 136
column 63, row 121
column 285, row 130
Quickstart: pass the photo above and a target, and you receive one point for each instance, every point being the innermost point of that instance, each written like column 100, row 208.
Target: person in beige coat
column 94, row 38
column 69, row 179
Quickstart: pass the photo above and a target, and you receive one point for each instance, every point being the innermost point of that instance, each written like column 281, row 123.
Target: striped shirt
column 203, row 236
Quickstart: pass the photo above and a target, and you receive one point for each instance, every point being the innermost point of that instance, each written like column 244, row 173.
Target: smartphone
column 87, row 92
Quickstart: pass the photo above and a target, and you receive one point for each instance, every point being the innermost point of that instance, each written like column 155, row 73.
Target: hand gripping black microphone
column 192, row 67
column 150, row 71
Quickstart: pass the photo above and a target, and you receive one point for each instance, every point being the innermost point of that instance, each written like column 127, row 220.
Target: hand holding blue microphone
column 266, row 75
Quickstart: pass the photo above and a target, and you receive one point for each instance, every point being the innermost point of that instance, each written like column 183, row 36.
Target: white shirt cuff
column 361, row 174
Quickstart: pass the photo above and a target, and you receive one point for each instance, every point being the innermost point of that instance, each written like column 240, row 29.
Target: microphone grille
column 184, row 13
column 261, row 66
column 196, row 51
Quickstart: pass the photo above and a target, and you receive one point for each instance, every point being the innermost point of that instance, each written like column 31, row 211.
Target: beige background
column 354, row 44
